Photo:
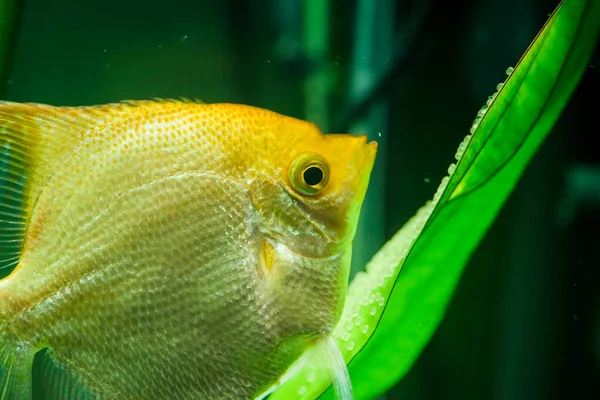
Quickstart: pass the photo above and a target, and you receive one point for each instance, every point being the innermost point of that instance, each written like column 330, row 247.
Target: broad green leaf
column 388, row 317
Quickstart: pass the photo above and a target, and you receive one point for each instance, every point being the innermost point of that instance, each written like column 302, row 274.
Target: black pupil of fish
column 313, row 176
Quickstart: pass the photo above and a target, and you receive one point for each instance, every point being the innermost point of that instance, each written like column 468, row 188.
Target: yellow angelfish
column 169, row 249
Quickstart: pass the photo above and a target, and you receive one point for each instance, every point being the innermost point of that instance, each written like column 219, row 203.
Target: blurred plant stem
column 315, row 41
column 373, row 44
column 7, row 17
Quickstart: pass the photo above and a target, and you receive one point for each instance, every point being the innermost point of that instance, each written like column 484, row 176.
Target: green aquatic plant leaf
column 389, row 317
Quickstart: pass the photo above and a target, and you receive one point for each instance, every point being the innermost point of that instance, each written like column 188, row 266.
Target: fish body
column 169, row 249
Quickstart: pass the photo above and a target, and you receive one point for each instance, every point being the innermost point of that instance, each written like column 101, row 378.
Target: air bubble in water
column 379, row 299
column 451, row 169
column 462, row 147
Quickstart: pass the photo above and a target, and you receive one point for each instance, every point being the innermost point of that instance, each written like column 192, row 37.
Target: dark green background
column 525, row 321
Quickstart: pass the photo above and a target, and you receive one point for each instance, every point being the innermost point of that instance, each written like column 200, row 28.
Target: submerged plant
column 389, row 317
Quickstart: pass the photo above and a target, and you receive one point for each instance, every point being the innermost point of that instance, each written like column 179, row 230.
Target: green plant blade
column 388, row 317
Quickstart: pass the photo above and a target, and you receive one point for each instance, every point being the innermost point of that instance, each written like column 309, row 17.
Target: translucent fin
column 54, row 382
column 15, row 373
column 13, row 197
column 326, row 356
column 34, row 139
column 332, row 357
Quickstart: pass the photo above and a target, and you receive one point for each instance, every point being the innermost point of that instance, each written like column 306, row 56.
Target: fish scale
column 169, row 250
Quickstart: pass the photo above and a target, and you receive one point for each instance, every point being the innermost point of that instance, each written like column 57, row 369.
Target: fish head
column 327, row 183
column 309, row 208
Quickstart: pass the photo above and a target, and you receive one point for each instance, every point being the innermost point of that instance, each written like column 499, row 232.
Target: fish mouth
column 367, row 161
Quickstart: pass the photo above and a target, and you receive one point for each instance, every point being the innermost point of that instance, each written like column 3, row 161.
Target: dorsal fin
column 32, row 138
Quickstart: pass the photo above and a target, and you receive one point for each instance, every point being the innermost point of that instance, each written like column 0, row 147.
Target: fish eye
column 309, row 174
column 313, row 175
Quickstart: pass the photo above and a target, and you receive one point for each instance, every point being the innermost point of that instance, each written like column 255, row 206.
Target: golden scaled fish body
column 169, row 249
